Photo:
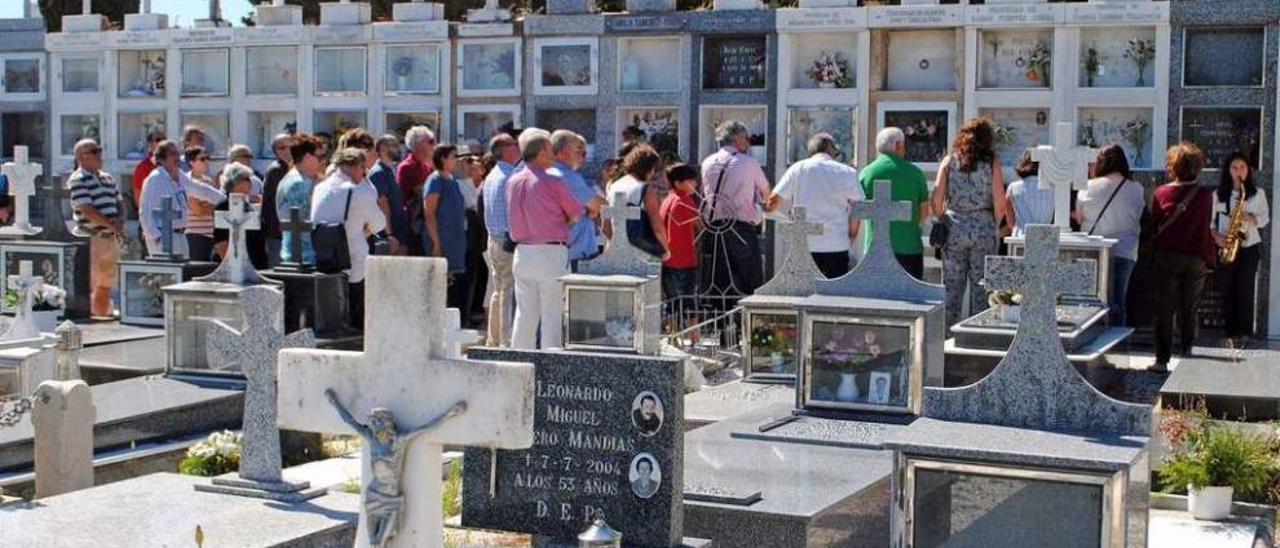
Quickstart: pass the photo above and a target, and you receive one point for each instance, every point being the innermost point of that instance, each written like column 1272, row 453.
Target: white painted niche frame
column 885, row 107
column 474, row 46
column 463, row 132
column 540, row 60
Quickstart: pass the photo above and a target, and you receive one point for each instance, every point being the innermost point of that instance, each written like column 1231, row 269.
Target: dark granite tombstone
column 596, row 453
column 311, row 299
column 1247, row 391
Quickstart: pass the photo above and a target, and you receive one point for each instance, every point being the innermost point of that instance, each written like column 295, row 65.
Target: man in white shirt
column 168, row 181
column 361, row 219
column 825, row 188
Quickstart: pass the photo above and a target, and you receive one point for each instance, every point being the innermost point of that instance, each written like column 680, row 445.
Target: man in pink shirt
column 541, row 209
column 734, row 190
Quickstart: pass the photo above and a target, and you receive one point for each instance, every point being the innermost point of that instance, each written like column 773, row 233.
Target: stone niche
column 566, row 66
column 1015, row 59
column 1107, row 58
column 735, row 62
column 206, row 72
column 340, row 71
column 921, row 60
column 1129, row 127
column 661, row 126
column 1224, row 56
column 141, row 74
column 755, row 117
column 76, row 127
column 216, row 126
column 804, row 122
column 480, row 122
column 271, row 70
column 644, row 64
column 412, row 69
column 337, row 122
column 807, row 49
column 612, row 313
column 1223, row 131
column 1018, row 129
column 581, row 121
column 133, row 130
column 490, row 67
column 399, row 122
column 264, row 126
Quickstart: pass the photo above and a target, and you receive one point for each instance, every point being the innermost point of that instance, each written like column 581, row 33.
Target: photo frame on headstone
column 489, row 67
column 844, row 357
column 921, row 60
column 217, row 130
column 1129, row 127
column 645, row 63
column 1015, row 59
column 481, row 122
column 661, row 126
column 735, row 62
column 566, row 66
column 340, row 70
column 412, row 69
column 133, row 129
column 930, row 128
column 206, row 72
column 1223, row 131
column 141, row 73
column 80, row 73
column 271, row 70
column 1223, row 56
column 805, row 122
column 23, row 76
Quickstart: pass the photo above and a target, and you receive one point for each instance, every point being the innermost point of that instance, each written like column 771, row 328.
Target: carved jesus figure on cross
column 1065, row 166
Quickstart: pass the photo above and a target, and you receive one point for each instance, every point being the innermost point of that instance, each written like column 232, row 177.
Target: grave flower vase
column 827, row 85
column 1209, row 503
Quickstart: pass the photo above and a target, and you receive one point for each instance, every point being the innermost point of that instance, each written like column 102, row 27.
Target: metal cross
column 798, row 274
column 1065, row 166
column 297, row 227
column 22, row 176
column 165, row 213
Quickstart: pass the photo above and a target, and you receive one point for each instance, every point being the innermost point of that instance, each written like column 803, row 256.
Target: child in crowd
column 679, row 214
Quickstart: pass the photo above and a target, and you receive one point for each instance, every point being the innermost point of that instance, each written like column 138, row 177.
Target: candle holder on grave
column 312, row 299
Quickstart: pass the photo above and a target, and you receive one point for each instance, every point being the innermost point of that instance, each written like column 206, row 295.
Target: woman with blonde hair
column 969, row 196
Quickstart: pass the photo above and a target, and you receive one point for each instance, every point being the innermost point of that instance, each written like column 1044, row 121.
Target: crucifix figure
column 404, row 370
column 27, row 287
column 1065, row 166
column 620, row 257
column 22, row 176
column 297, row 226
column 798, row 275
column 236, row 267
column 165, row 214
column 254, row 352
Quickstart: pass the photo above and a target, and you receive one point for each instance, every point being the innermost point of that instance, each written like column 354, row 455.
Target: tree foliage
column 53, row 10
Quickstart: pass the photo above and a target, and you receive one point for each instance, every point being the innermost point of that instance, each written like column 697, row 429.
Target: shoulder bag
column 1106, row 206
column 640, row 231
column 333, row 251
column 940, row 232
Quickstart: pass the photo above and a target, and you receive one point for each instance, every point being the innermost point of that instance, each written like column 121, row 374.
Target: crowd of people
column 511, row 219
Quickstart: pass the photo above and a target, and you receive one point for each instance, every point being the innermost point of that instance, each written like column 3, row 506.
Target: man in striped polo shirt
column 95, row 200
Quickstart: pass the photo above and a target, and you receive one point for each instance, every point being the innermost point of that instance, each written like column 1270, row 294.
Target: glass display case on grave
column 217, row 130
column 1117, row 57
column 132, row 131
column 271, row 70
column 612, row 313
column 1129, row 127
column 206, row 72
column 770, row 338
column 661, row 126
column 645, row 64
column 824, row 61
column 412, row 69
column 23, row 128
column 74, row 127
column 399, row 122
column 141, row 74
column 861, row 362
column 80, row 73
column 483, row 122
column 921, row 60
column 188, row 309
column 337, row 122
column 805, row 122
column 264, row 126
column 340, row 71
column 23, row 74
column 754, row 117
column 1015, row 59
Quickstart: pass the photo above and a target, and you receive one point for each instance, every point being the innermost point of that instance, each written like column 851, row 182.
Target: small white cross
column 22, row 186
column 27, row 286
column 236, row 268
column 1065, row 166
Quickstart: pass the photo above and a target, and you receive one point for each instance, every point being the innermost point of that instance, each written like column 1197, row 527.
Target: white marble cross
column 404, row 371
column 620, row 257
column 236, row 268
column 455, row 336
column 27, row 286
column 86, row 7
column 22, row 186
column 1065, row 166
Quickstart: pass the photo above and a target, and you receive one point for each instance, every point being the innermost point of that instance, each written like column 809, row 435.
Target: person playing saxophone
column 1239, row 211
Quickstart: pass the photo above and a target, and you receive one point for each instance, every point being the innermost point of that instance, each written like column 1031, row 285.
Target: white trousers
column 537, row 270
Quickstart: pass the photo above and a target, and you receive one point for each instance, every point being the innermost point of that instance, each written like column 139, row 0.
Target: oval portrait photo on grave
column 646, row 413
column 645, row 476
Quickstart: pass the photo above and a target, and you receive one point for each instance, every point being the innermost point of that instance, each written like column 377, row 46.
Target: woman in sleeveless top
column 970, row 193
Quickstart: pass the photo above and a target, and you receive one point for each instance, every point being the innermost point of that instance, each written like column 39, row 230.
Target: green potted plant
column 1213, row 463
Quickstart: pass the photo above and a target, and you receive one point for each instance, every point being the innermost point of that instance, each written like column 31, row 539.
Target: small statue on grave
column 387, row 444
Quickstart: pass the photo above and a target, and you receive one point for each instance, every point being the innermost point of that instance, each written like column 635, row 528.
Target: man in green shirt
column 909, row 185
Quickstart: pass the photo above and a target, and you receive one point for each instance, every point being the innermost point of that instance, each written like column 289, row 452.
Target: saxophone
column 1234, row 236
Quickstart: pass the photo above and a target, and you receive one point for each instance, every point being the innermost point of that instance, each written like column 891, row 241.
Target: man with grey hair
column 909, row 185
column 734, row 190
column 570, row 150
column 825, row 188
column 411, row 175
column 541, row 211
column 498, row 253
column 95, row 203
column 270, row 185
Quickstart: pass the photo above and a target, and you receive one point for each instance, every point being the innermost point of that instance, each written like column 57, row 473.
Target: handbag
column 1106, row 205
column 333, row 251
column 940, row 232
column 640, row 231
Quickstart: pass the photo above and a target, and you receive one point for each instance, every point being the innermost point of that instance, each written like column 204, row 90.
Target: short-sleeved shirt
column 364, row 215
column 540, row 205
column 909, row 185
column 410, row 175
column 825, row 188
column 680, row 216
column 582, row 235
column 295, row 191
column 451, row 220
column 744, row 188
column 1032, row 203
column 93, row 189
column 383, row 178
column 496, row 212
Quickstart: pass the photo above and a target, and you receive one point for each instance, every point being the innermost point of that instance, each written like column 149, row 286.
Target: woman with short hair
column 1111, row 206
column 200, row 220
column 1030, row 201
column 445, row 221
column 1185, row 250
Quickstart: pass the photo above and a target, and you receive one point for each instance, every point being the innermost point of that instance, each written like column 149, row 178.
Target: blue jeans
column 1121, row 269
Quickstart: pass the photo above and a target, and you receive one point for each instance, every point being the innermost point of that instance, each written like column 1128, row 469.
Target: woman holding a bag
column 337, row 202
column 640, row 168
column 1111, row 206
column 1185, row 250
column 970, row 193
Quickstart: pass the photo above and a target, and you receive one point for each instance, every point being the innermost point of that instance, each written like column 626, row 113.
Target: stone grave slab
column 1096, row 361
column 1248, row 390
column 713, row 404
column 1078, row 326
column 164, row 510
column 123, row 360
column 592, row 442
column 844, row 431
